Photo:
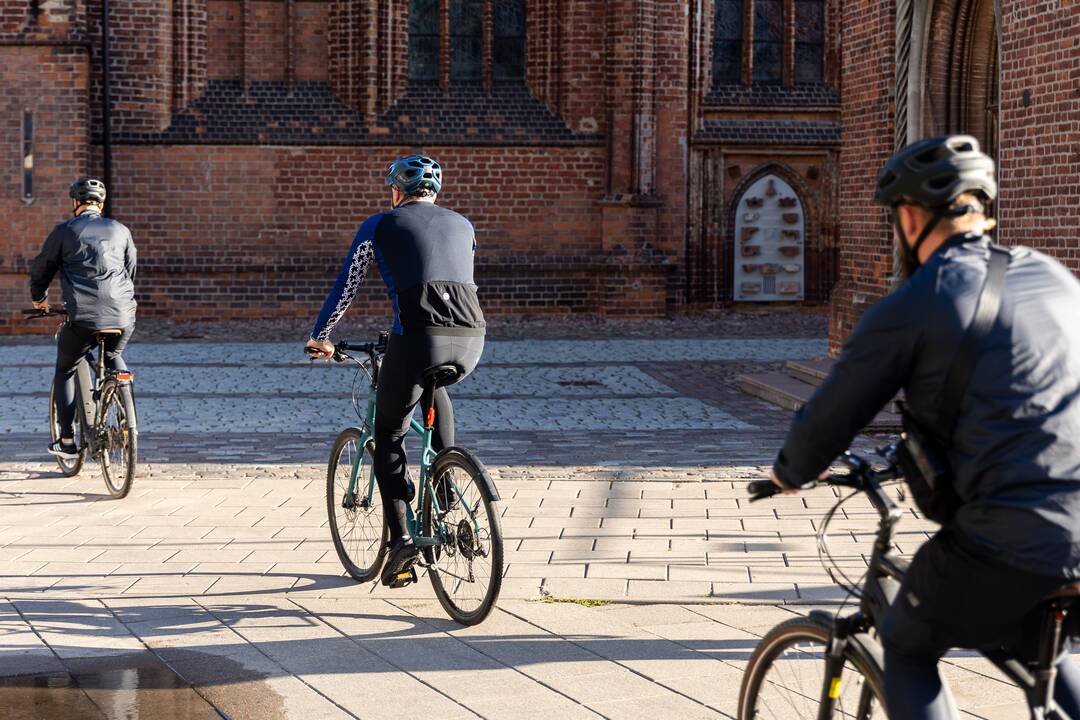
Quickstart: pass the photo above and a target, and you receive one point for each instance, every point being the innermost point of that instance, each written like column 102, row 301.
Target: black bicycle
column 105, row 420
column 827, row 666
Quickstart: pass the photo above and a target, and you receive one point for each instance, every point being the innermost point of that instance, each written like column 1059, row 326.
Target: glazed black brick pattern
column 312, row 115
column 780, row 132
column 814, row 95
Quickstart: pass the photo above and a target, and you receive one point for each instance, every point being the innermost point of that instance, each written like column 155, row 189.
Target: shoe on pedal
column 399, row 571
column 64, row 451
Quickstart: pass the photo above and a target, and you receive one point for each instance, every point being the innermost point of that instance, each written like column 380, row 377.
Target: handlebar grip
column 761, row 489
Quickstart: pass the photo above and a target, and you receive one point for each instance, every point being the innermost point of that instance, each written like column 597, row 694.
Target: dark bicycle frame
column 882, row 585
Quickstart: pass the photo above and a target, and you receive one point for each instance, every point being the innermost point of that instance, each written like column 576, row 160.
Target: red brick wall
column 266, row 232
column 50, row 81
column 265, row 40
column 867, row 141
column 309, row 36
column 225, row 40
column 1040, row 143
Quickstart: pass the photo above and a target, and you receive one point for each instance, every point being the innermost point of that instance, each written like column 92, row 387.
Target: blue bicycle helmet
column 413, row 173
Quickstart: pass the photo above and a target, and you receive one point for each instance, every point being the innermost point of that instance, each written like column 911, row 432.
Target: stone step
column 791, row 394
column 814, row 372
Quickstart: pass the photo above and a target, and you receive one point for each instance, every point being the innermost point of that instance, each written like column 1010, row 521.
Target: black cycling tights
column 75, row 342
column 914, row 689
column 400, row 378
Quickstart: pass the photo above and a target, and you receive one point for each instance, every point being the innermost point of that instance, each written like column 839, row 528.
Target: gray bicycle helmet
column 87, row 189
column 934, row 172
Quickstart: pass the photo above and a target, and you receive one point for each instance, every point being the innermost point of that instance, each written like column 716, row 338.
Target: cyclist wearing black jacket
column 425, row 257
column 1016, row 449
column 95, row 258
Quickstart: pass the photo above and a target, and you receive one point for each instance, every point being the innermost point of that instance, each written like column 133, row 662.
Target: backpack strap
column 963, row 365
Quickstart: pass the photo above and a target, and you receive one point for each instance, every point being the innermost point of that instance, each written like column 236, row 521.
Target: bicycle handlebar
column 34, row 314
column 862, row 476
column 369, row 349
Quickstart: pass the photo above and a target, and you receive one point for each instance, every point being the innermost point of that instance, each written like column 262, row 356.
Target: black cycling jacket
column 95, row 257
column 1016, row 451
column 425, row 256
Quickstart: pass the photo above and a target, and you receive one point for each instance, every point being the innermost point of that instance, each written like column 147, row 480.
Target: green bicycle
column 455, row 522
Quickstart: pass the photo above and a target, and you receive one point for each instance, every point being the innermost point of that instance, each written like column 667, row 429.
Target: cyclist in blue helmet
column 424, row 253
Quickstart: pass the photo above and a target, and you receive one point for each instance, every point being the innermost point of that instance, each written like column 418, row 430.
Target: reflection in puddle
column 129, row 687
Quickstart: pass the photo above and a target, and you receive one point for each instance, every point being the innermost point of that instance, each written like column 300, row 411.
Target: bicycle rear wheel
column 120, row 451
column 466, row 571
column 786, row 675
column 70, row 468
column 357, row 524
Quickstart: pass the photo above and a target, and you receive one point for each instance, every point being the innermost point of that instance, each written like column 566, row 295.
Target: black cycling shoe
column 399, row 571
column 64, row 451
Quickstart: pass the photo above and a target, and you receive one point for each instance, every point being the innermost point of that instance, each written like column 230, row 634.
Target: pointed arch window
column 783, row 40
column 483, row 39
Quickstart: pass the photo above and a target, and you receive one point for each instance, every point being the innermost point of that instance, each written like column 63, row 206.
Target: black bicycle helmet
column 934, row 172
column 87, row 189
column 413, row 173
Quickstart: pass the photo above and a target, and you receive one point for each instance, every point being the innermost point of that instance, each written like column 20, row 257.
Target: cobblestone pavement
column 621, row 466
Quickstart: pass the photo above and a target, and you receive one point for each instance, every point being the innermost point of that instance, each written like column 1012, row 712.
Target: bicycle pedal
column 403, row 578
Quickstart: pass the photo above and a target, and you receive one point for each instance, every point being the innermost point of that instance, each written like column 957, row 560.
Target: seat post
column 101, row 357
column 1049, row 648
column 427, row 404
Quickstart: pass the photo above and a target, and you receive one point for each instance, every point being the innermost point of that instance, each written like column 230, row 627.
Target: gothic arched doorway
column 961, row 71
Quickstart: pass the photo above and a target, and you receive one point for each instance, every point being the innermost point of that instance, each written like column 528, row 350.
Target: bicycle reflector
column 125, row 376
column 431, row 416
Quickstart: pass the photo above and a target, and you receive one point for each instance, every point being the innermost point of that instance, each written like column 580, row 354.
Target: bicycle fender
column 127, row 395
column 489, row 484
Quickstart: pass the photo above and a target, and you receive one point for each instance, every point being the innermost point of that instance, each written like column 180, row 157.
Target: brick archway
column 961, row 70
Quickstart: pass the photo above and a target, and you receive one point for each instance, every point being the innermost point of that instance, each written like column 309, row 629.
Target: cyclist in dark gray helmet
column 95, row 258
column 424, row 253
column 1010, row 533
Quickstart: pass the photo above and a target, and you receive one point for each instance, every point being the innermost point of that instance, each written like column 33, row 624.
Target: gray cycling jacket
column 1016, row 451
column 95, row 258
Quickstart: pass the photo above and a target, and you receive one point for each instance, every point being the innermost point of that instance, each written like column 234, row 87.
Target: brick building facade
column 608, row 153
column 1006, row 71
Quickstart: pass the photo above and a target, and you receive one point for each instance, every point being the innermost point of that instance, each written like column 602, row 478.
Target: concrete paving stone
column 669, row 705
column 61, row 554
column 634, row 544
column 627, row 571
column 709, row 573
column 578, row 544
column 589, row 556
column 156, row 585
column 613, row 589
column 756, row 592
column 638, row 523
column 116, row 555
column 544, row 570
column 579, row 522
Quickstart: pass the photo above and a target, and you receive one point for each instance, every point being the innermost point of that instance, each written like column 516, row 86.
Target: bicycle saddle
column 1065, row 593
column 441, row 375
column 109, row 331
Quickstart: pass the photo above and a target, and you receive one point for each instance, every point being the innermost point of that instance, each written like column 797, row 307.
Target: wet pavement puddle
column 129, row 687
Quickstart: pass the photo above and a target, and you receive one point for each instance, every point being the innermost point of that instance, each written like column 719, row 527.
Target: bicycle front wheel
column 785, row 678
column 467, row 568
column 70, row 468
column 357, row 524
column 120, row 451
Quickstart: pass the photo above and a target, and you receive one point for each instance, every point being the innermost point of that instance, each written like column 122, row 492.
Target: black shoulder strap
column 963, row 365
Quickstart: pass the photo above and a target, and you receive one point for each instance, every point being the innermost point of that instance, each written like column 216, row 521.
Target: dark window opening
column 768, row 41
column 728, row 42
column 809, row 41
column 509, row 50
column 424, row 40
column 28, row 157
column 467, row 40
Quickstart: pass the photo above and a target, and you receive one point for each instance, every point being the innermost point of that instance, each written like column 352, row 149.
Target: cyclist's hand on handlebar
column 319, row 349
column 787, row 491
column 43, row 305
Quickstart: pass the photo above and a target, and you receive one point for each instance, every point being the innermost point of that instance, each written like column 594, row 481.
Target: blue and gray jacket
column 425, row 256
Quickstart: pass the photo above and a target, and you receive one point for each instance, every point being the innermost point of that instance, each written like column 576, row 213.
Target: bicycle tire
column 365, row 546
column 120, row 451
column 70, row 468
column 800, row 684
column 451, row 565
